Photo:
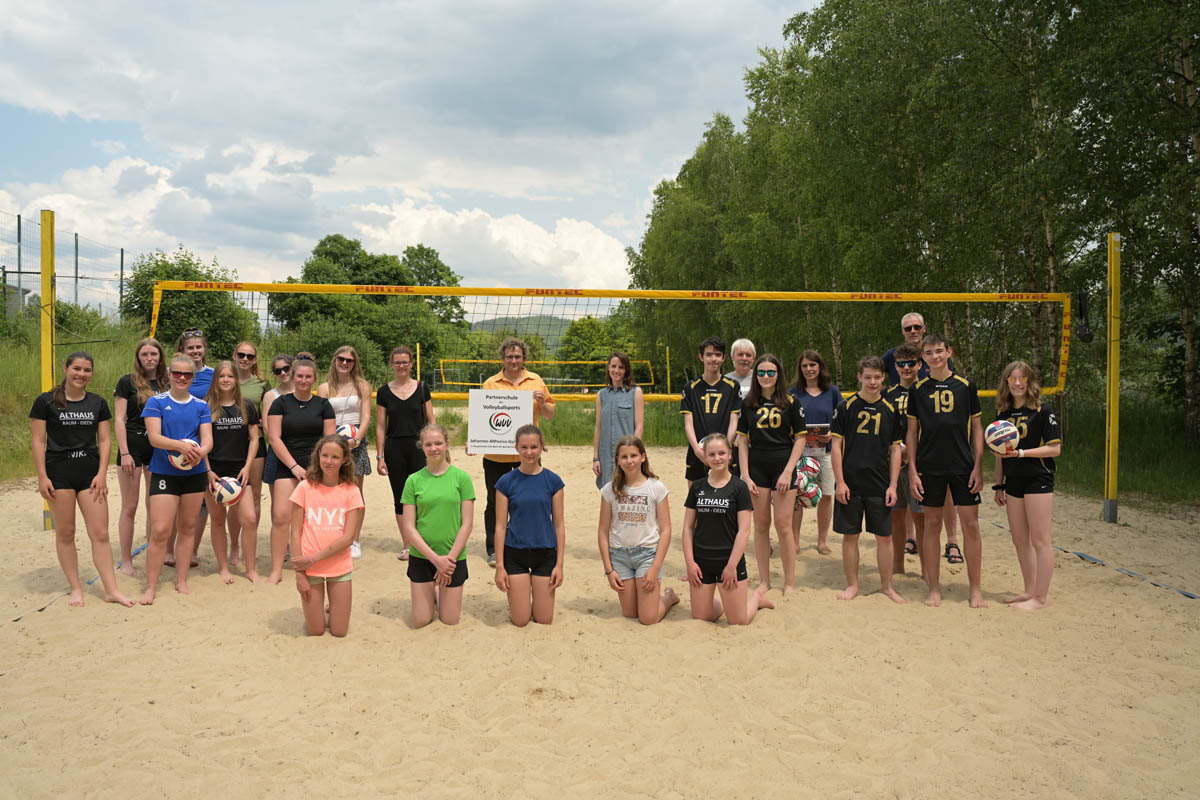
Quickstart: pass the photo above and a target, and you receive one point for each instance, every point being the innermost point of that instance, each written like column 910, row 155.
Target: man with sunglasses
column 912, row 325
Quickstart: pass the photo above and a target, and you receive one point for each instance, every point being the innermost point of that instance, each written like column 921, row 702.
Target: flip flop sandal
column 910, row 546
column 953, row 554
column 403, row 555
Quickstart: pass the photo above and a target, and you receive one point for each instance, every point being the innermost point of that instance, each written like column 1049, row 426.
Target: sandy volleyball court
column 222, row 694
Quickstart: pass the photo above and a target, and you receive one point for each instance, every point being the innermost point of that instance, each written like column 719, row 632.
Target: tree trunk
column 835, row 341
column 1192, row 402
column 1186, row 91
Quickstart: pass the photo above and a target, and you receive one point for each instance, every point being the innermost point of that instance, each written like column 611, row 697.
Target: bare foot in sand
column 117, row 597
column 127, row 568
column 169, row 561
column 274, row 578
column 182, row 588
column 763, row 587
column 226, row 576
column 669, row 597
column 761, row 596
column 893, row 595
column 788, row 590
column 148, row 597
column 76, row 598
column 1020, row 598
column 823, row 549
column 235, row 558
column 977, row 600
column 849, row 593
column 253, row 576
column 1031, row 604
column 935, row 598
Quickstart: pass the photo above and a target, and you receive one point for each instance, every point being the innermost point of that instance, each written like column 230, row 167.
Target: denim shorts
column 631, row 562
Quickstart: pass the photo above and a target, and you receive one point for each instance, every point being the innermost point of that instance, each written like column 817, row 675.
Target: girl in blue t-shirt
column 176, row 422
column 530, row 533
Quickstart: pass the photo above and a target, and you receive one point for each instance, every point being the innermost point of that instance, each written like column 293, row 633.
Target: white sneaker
column 355, row 550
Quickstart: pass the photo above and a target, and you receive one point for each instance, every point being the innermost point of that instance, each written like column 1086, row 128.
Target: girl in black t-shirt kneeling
column 716, row 528
column 71, row 448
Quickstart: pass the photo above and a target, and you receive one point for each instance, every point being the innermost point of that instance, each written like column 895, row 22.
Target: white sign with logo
column 493, row 416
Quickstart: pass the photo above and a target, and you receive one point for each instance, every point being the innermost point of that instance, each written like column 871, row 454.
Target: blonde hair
column 333, row 380
column 213, row 398
column 1033, row 392
column 434, row 427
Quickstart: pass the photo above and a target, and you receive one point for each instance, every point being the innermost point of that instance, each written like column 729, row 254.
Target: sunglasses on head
column 191, row 332
column 908, row 328
column 281, row 370
column 907, row 363
column 765, row 373
column 182, row 375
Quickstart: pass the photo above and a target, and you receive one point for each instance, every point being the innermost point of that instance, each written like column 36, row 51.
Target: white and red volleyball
column 808, row 494
column 228, row 491
column 1002, row 436
column 177, row 459
column 807, row 465
column 347, row 431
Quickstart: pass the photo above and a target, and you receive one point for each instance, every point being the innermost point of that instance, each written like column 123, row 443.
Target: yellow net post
column 47, row 319
column 1112, row 379
column 418, row 361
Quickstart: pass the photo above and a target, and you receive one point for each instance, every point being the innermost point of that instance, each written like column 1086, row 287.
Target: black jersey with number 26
column 1036, row 428
column 710, row 405
column 867, row 430
column 772, row 427
column 944, row 409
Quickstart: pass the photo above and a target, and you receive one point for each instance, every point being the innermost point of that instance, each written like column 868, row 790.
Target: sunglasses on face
column 907, row 363
column 908, row 328
column 344, row 360
column 183, row 376
column 245, row 356
column 281, row 370
column 766, row 373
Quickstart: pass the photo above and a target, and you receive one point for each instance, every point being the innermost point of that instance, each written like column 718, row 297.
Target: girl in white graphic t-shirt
column 635, row 533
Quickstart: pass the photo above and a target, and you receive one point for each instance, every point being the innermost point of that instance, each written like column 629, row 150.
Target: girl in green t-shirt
column 439, row 506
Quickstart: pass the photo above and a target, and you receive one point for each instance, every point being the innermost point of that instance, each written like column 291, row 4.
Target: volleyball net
column 455, row 332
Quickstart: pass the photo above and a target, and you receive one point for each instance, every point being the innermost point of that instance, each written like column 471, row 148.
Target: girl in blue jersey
column 176, row 422
column 530, row 533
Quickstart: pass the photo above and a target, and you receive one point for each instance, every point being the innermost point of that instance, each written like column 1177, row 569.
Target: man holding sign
column 514, row 377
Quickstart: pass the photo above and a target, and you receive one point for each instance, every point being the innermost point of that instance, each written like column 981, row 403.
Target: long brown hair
column 1033, row 391
column 59, row 398
column 141, row 381
column 213, row 398
column 824, row 381
column 345, row 472
column 618, row 478
column 627, row 379
column 780, row 396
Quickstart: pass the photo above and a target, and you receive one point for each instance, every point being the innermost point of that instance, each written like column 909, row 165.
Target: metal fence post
column 20, row 302
column 77, row 269
column 121, row 289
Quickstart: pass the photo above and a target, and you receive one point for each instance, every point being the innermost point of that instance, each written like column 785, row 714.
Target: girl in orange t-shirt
column 326, row 516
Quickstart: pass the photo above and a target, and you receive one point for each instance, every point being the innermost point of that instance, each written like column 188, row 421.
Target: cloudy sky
column 521, row 139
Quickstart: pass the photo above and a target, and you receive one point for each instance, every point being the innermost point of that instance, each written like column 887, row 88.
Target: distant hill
column 548, row 327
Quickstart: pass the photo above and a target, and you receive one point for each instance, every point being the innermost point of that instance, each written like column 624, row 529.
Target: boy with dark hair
column 945, row 453
column 866, row 431
column 709, row 404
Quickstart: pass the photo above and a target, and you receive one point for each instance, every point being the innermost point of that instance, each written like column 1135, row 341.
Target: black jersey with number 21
column 867, row 430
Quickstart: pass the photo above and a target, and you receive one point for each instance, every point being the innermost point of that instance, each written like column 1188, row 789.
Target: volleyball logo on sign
column 500, row 422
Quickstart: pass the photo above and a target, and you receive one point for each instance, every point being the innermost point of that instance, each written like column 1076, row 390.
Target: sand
column 221, row 693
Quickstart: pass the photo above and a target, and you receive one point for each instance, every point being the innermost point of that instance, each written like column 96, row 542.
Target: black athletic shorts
column 695, row 469
column 935, row 490
column 262, row 447
column 848, row 517
column 139, row 447
column 539, row 561
column 178, row 485
column 421, row 570
column 74, row 474
column 712, row 567
column 226, row 469
column 1019, row 486
column 767, row 465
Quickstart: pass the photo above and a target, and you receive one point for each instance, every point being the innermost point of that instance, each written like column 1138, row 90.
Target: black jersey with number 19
column 943, row 410
column 868, row 429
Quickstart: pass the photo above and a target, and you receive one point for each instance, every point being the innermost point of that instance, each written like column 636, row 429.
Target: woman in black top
column 71, row 446
column 295, row 423
column 405, row 406
column 149, row 377
column 235, row 448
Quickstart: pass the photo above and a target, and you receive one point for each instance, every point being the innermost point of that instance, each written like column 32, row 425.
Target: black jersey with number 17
column 868, row 429
column 710, row 405
column 944, row 410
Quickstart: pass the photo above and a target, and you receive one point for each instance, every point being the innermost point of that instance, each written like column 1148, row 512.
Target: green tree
column 586, row 339
column 224, row 321
column 428, row 269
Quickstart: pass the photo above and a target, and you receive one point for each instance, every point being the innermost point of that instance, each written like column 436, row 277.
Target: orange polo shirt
column 528, row 382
